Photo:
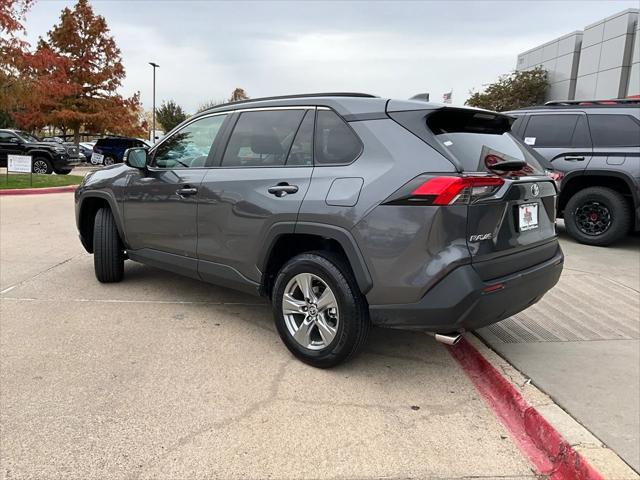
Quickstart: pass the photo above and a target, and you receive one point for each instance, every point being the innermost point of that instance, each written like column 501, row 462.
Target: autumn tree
column 94, row 71
column 12, row 15
column 170, row 114
column 238, row 94
column 513, row 91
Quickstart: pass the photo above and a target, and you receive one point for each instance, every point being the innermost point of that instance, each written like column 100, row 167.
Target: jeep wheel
column 108, row 160
column 108, row 252
column 597, row 216
column 319, row 311
column 41, row 165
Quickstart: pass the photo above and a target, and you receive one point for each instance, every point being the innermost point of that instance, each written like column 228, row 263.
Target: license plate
column 97, row 158
column 528, row 216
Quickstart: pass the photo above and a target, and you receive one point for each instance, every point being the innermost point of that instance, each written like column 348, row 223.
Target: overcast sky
column 397, row 49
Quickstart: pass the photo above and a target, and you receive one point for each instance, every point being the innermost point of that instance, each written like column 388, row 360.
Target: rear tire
column 108, row 160
column 108, row 252
column 340, row 328
column 597, row 216
column 41, row 165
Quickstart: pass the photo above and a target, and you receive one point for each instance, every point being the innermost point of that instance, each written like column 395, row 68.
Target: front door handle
column 283, row 189
column 574, row 159
column 186, row 191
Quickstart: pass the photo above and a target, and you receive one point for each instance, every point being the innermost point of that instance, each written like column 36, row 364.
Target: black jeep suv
column 592, row 149
column 47, row 157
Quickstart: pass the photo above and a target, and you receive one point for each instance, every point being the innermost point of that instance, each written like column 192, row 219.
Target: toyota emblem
column 535, row 189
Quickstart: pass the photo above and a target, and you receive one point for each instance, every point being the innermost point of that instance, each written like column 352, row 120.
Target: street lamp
column 153, row 132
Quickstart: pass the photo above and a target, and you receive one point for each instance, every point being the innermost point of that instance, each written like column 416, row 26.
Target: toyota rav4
column 345, row 210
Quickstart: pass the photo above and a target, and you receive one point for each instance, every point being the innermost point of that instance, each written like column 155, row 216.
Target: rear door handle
column 282, row 189
column 574, row 159
column 186, row 191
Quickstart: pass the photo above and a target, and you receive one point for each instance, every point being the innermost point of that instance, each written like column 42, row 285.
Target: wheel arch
column 89, row 204
column 285, row 240
column 618, row 181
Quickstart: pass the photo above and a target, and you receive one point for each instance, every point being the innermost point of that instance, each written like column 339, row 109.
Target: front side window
column 28, row 137
column 550, row 130
column 190, row 146
column 614, row 131
column 336, row 142
column 262, row 138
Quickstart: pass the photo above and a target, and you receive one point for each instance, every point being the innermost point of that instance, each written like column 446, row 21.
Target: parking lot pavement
column 581, row 343
column 164, row 377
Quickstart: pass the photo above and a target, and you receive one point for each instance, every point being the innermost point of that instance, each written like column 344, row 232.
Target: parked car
column 47, row 157
column 346, row 210
column 110, row 150
column 53, row 139
column 86, row 149
column 593, row 152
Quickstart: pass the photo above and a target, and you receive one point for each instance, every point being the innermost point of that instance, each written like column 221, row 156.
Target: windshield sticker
column 530, row 140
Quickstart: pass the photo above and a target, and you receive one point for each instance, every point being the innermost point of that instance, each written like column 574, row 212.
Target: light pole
column 153, row 132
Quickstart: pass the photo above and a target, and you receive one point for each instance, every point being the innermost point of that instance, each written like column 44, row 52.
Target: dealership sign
column 19, row 163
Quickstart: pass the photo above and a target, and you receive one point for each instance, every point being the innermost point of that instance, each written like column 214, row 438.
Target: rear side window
column 551, row 130
column 335, row 141
column 614, row 131
column 478, row 139
column 262, row 139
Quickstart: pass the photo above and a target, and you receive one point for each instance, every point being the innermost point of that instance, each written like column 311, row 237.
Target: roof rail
column 615, row 101
column 300, row 95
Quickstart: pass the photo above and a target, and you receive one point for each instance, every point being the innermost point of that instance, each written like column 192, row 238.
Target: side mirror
column 15, row 140
column 136, row 157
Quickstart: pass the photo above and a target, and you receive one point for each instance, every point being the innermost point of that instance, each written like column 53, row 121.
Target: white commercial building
column 600, row 62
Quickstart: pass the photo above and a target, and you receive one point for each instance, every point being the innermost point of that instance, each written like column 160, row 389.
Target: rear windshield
column 481, row 139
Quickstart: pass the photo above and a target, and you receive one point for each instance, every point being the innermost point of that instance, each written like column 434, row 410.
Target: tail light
column 455, row 190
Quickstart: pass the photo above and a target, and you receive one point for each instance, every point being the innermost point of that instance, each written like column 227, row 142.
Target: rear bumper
column 459, row 303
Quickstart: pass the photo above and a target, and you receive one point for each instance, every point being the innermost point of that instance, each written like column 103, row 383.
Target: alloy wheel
column 107, row 161
column 310, row 311
column 593, row 218
column 40, row 166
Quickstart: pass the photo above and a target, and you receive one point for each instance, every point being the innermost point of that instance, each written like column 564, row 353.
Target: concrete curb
column 38, row 191
column 549, row 453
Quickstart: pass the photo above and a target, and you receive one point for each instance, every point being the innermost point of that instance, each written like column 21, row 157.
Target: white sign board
column 19, row 163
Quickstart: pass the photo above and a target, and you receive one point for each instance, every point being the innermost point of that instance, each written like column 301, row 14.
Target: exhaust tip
column 448, row 338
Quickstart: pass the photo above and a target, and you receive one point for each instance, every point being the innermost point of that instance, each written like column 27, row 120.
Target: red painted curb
column 37, row 191
column 548, row 452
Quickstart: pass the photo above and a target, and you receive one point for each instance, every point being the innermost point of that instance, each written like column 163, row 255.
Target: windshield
column 28, row 137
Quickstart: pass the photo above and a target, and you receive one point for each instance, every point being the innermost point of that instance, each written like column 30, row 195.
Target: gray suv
column 345, row 210
column 592, row 150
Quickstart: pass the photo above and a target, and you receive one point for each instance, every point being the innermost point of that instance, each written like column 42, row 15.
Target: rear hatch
column 511, row 203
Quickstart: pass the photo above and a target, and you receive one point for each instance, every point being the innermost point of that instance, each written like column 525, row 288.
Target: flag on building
column 446, row 98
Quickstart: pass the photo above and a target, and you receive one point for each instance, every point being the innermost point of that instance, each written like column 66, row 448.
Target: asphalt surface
column 581, row 343
column 165, row 377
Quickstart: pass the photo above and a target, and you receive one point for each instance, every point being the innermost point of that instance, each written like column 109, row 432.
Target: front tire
column 41, row 165
column 108, row 252
column 597, row 216
column 319, row 312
